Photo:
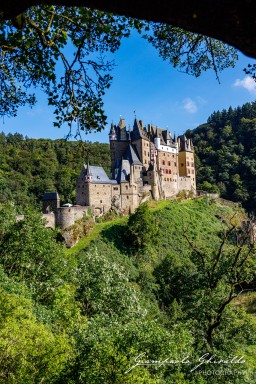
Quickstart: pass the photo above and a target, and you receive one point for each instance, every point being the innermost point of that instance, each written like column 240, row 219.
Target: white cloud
column 247, row 83
column 189, row 105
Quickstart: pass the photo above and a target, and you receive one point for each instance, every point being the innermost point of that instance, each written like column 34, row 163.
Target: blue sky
column 159, row 94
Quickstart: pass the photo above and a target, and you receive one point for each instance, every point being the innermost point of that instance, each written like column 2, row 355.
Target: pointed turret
column 112, row 133
column 88, row 173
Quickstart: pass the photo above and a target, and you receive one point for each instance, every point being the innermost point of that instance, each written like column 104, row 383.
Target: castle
column 145, row 162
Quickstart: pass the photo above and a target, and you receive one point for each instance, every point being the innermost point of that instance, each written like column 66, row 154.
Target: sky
column 152, row 90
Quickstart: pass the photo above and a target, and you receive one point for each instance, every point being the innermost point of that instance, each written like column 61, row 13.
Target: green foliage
column 225, row 150
column 208, row 187
column 30, row 167
column 190, row 52
column 104, row 282
column 142, row 228
column 91, row 315
column 109, row 349
column 29, row 351
column 30, row 254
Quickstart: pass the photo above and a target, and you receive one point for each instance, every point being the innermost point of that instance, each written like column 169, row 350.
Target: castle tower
column 51, row 201
column 140, row 140
column 186, row 159
column 119, row 140
column 155, row 185
column 134, row 192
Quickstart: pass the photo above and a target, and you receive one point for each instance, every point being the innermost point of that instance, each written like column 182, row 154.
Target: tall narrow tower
column 186, row 159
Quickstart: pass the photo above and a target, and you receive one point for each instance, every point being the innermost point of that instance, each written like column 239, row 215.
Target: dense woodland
column 226, row 154
column 30, row 167
column 163, row 285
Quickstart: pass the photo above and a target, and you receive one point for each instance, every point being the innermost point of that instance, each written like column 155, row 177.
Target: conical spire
column 88, row 173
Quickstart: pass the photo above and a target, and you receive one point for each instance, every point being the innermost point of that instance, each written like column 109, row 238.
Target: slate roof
column 99, row 176
column 132, row 156
column 124, row 172
column 184, row 144
column 139, row 132
column 164, row 136
column 50, row 196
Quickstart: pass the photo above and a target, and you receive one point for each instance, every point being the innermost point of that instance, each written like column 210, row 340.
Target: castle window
column 126, row 186
column 188, row 163
column 182, row 164
column 100, row 201
column 175, row 164
column 170, row 171
column 169, row 163
column 127, row 197
column 163, row 162
column 115, row 189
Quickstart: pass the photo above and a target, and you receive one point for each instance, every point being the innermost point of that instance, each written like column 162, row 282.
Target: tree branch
column 231, row 22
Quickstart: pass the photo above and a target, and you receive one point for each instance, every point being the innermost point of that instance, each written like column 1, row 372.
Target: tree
column 142, row 229
column 35, row 53
column 210, row 278
column 29, row 351
column 30, row 254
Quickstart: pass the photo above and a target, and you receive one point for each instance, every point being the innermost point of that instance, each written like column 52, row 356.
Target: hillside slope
column 130, row 303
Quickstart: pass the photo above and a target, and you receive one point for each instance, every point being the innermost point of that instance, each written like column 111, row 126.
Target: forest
column 162, row 296
column 225, row 148
column 30, row 167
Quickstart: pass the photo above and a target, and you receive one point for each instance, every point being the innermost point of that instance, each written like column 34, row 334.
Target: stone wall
column 129, row 197
column 66, row 216
column 185, row 183
column 100, row 195
column 50, row 220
